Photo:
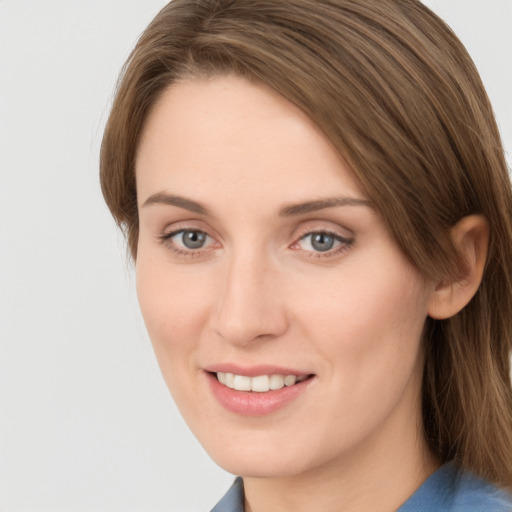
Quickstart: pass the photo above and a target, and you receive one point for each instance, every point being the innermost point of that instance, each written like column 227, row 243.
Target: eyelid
column 321, row 226
column 192, row 224
column 333, row 234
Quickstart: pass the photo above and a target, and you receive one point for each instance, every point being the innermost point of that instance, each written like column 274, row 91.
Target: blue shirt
column 447, row 490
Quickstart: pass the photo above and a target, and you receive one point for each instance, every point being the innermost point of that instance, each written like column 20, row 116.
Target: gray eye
column 322, row 242
column 193, row 239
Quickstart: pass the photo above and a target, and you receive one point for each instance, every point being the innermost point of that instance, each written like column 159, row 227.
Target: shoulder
column 475, row 494
column 450, row 489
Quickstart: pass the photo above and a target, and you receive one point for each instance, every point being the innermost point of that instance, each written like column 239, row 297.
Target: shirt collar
column 233, row 500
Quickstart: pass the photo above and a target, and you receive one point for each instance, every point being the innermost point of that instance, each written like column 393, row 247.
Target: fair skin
column 240, row 269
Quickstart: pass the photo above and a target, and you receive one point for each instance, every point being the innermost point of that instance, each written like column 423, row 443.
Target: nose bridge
column 249, row 306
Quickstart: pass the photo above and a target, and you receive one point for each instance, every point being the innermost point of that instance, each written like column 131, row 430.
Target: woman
column 318, row 205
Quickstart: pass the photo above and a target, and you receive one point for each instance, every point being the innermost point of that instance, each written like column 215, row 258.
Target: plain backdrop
column 86, row 423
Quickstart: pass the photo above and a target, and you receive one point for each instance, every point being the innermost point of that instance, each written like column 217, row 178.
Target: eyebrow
column 286, row 211
column 321, row 204
column 180, row 202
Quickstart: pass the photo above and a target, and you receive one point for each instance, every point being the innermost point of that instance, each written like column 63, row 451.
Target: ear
column 470, row 237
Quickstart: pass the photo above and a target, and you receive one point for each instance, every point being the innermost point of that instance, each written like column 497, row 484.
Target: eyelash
column 345, row 243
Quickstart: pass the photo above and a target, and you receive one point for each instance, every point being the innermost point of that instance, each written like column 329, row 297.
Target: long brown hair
column 397, row 94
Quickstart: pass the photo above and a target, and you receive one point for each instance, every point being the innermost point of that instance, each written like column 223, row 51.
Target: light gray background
column 86, row 423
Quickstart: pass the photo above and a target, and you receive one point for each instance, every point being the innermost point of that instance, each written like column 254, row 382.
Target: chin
column 260, row 456
column 257, row 467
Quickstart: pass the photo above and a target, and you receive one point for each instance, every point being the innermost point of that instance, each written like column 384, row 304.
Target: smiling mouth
column 259, row 383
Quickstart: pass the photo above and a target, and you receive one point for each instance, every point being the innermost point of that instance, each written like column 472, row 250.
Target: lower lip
column 252, row 403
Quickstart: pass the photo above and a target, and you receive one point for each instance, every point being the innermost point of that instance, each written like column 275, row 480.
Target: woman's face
column 261, row 263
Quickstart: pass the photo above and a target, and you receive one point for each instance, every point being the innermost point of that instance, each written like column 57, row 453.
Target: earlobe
column 470, row 237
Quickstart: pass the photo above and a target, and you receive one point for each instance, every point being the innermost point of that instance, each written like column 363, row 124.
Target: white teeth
column 276, row 381
column 230, row 380
column 242, row 383
column 259, row 384
column 289, row 380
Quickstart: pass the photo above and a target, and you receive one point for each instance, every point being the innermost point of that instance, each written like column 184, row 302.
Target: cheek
column 368, row 331
column 363, row 309
column 173, row 306
column 175, row 310
column 368, row 323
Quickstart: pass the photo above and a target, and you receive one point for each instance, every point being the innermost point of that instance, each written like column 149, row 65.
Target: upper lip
column 255, row 370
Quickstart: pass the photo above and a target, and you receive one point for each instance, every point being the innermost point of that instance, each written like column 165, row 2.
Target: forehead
column 227, row 135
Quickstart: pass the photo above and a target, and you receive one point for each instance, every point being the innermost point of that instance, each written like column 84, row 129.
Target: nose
column 250, row 306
